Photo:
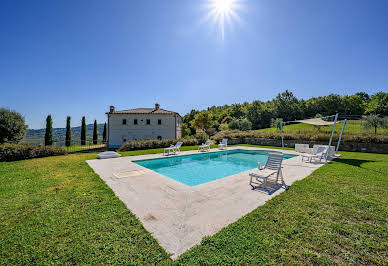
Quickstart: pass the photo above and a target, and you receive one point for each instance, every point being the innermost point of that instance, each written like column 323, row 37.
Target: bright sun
column 223, row 12
column 223, row 6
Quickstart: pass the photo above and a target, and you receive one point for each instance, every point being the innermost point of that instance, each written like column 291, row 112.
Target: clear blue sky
column 78, row 57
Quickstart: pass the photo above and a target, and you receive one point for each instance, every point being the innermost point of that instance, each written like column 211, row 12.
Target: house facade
column 142, row 123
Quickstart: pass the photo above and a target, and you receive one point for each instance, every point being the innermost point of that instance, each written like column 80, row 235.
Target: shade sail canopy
column 315, row 122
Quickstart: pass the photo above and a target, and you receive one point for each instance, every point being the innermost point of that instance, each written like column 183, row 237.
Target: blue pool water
column 201, row 168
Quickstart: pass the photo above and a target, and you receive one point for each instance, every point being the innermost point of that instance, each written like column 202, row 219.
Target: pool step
column 128, row 174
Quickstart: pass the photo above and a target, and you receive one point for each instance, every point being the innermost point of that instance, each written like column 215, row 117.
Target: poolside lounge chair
column 173, row 148
column 319, row 152
column 273, row 167
column 331, row 149
column 223, row 144
column 205, row 146
column 301, row 148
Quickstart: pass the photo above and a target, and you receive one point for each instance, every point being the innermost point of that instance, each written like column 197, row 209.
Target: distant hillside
column 36, row 136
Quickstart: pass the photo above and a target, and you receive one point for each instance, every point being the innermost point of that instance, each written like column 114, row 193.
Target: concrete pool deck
column 179, row 216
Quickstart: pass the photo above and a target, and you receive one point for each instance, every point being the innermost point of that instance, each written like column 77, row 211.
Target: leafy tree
column 226, row 119
column 259, row 115
column 188, row 118
column 237, row 111
column 48, row 136
column 12, row 126
column 373, row 121
column 378, row 104
column 234, row 124
column 332, row 104
column 353, row 105
column 276, row 122
column 364, row 96
column 203, row 121
column 104, row 134
column 185, row 130
column 95, row 132
column 245, row 125
column 83, row 131
column 384, row 122
column 68, row 132
column 287, row 106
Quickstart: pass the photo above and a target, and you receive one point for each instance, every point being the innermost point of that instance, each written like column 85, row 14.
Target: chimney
column 157, row 106
column 111, row 109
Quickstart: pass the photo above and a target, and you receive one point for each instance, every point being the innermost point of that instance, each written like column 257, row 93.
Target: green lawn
column 352, row 127
column 56, row 210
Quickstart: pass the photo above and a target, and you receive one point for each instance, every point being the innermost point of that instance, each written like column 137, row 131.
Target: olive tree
column 12, row 126
column 373, row 121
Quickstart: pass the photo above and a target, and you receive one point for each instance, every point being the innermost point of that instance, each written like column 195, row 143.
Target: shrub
column 16, row 152
column 131, row 145
column 201, row 138
column 234, row 124
column 245, row 125
column 12, row 127
column 224, row 127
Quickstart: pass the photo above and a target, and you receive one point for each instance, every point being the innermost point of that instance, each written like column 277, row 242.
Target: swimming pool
column 201, row 168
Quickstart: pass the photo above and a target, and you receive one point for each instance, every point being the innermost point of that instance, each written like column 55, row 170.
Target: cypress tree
column 95, row 132
column 83, row 131
column 68, row 132
column 48, row 136
column 104, row 134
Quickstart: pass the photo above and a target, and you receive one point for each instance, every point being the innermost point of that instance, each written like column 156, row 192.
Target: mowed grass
column 56, row 210
column 337, row 215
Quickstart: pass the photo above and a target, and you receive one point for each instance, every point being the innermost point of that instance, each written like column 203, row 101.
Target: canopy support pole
column 281, row 132
column 331, row 137
column 340, row 137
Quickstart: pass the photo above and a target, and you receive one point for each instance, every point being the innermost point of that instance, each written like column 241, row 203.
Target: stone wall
column 345, row 146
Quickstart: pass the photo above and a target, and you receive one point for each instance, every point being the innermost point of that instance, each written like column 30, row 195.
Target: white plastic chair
column 273, row 167
column 223, row 144
column 319, row 152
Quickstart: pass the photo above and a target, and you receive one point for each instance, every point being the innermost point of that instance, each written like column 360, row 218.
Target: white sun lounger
column 205, row 146
column 273, row 167
column 301, row 148
column 173, row 148
column 319, row 153
column 223, row 144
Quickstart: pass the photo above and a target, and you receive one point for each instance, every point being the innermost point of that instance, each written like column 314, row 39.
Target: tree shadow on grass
column 357, row 163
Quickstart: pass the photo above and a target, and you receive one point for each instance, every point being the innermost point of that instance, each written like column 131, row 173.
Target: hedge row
column 131, row 145
column 301, row 135
column 16, row 152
